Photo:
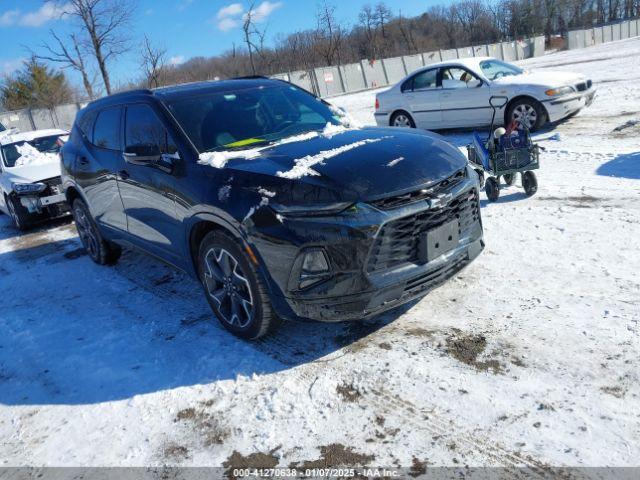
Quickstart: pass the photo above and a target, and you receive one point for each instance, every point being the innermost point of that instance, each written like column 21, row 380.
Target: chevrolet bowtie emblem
column 440, row 200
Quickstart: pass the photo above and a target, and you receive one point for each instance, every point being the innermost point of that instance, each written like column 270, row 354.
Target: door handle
column 83, row 161
column 123, row 174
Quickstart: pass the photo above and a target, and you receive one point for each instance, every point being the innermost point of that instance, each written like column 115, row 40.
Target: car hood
column 33, row 173
column 542, row 78
column 356, row 164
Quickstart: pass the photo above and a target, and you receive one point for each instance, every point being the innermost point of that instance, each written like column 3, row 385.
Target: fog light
column 315, row 261
column 314, row 268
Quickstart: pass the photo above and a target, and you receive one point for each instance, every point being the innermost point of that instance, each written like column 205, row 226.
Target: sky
column 186, row 28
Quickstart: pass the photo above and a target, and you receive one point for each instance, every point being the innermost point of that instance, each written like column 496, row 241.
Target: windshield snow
column 36, row 151
column 250, row 118
column 494, row 69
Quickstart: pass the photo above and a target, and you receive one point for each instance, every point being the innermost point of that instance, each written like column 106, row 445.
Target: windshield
column 247, row 118
column 11, row 153
column 494, row 69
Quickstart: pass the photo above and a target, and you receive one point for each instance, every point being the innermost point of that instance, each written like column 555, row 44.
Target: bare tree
column 153, row 62
column 104, row 22
column 70, row 56
column 329, row 34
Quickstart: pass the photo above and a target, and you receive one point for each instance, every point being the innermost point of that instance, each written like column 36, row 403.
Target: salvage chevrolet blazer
column 281, row 207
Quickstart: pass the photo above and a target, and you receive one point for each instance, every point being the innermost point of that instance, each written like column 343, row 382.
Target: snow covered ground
column 529, row 357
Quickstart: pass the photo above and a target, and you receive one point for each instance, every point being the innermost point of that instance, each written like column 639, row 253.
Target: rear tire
column 492, row 189
column 529, row 183
column 100, row 250
column 402, row 119
column 233, row 287
column 510, row 179
column 18, row 213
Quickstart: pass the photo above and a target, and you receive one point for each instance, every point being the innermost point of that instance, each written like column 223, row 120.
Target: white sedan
column 456, row 93
column 30, row 188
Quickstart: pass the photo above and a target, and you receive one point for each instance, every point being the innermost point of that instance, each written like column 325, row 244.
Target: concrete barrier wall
column 451, row 54
column 575, row 39
column 302, row 78
column 589, row 40
column 329, row 81
column 633, row 28
column 480, row 51
column 413, row 62
column 431, row 57
column 539, row 46
column 607, row 34
column 624, row 30
column 17, row 119
column 494, row 50
column 509, row 51
column 395, row 69
column 466, row 52
column 615, row 31
column 374, row 74
column 353, row 77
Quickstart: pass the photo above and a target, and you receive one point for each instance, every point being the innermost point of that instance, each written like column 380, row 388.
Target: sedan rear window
column 244, row 118
column 494, row 69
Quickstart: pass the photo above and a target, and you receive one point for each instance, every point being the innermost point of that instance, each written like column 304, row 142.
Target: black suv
column 254, row 187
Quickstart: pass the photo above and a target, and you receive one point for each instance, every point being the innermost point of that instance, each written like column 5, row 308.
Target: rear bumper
column 562, row 107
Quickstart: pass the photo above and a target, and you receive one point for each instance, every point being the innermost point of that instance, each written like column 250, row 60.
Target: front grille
column 581, row 87
column 417, row 195
column 54, row 186
column 397, row 241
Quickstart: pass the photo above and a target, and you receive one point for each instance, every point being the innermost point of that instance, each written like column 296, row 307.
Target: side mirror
column 142, row 154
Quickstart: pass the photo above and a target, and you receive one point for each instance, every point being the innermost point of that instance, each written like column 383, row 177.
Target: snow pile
column 345, row 118
column 266, row 193
column 304, row 166
column 29, row 155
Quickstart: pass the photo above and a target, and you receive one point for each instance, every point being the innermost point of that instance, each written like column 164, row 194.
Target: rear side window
column 106, row 132
column 143, row 128
column 85, row 124
column 422, row 81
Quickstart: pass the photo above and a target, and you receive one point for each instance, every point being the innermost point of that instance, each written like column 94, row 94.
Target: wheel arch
column 522, row 97
column 398, row 111
column 201, row 225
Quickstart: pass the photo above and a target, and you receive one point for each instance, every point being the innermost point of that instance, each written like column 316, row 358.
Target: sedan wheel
column 402, row 120
column 86, row 232
column 528, row 113
column 525, row 115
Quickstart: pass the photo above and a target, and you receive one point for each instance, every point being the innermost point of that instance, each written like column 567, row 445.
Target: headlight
column 28, row 188
column 311, row 210
column 554, row 92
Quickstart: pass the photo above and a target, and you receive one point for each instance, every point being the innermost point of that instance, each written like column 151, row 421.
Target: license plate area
column 438, row 241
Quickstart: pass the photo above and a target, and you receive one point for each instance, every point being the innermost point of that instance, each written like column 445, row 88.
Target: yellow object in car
column 242, row 143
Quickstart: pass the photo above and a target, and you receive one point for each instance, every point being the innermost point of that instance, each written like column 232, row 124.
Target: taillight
column 377, row 103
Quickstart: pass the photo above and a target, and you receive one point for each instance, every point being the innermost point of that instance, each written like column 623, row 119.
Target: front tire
column 100, row 250
column 18, row 213
column 527, row 112
column 402, row 119
column 530, row 183
column 233, row 287
column 492, row 189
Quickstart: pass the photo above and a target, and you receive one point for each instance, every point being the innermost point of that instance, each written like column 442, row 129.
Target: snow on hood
column 304, row 166
column 544, row 78
column 31, row 156
column 220, row 158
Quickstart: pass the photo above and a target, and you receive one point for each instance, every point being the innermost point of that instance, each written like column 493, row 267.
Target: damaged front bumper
column 48, row 200
column 373, row 255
